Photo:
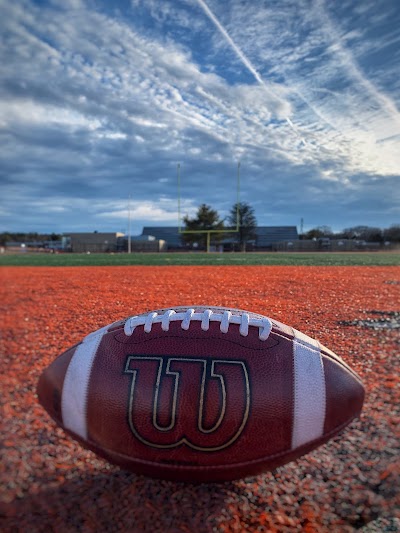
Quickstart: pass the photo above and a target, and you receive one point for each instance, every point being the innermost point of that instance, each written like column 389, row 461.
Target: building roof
column 170, row 234
column 267, row 235
column 99, row 234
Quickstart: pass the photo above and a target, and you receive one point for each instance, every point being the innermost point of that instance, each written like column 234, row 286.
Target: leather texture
column 50, row 386
column 198, row 405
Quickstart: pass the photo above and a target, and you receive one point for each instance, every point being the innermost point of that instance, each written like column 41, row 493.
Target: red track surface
column 49, row 483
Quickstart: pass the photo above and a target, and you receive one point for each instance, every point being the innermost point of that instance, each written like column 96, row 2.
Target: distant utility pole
column 129, row 224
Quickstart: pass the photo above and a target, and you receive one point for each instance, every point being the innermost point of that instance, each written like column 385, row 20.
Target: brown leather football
column 200, row 394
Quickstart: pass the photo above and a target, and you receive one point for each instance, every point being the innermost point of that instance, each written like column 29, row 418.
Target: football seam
column 124, row 457
column 338, row 360
column 346, row 368
column 205, row 316
column 276, row 342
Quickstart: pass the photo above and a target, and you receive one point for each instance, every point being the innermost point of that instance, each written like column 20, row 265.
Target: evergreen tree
column 205, row 220
column 318, row 233
column 392, row 234
column 247, row 223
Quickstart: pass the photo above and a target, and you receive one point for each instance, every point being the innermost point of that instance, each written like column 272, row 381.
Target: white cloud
column 30, row 112
column 164, row 210
column 348, row 62
column 338, row 125
column 94, row 102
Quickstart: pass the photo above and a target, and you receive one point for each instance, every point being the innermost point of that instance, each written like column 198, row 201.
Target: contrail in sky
column 348, row 61
column 246, row 62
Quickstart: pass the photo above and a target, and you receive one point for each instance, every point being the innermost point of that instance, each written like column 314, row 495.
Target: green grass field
column 317, row 259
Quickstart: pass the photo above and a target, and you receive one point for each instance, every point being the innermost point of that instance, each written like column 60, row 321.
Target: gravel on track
column 49, row 483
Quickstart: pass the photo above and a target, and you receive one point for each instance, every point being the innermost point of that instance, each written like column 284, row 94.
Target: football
column 200, row 394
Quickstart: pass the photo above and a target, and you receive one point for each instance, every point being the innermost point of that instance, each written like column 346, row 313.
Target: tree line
column 208, row 219
column 21, row 237
column 241, row 217
column 362, row 233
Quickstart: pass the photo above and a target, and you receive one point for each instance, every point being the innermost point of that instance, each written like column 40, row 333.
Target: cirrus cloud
column 101, row 101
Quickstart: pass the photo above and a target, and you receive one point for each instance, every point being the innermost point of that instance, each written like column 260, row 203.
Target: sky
column 101, row 100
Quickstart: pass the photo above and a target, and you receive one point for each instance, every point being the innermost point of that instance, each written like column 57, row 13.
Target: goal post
column 211, row 231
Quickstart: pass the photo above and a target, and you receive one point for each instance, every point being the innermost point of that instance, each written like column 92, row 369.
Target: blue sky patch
column 100, row 101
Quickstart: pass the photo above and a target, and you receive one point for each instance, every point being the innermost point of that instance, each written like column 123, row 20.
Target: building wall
column 141, row 245
column 169, row 234
column 265, row 236
column 149, row 246
column 93, row 242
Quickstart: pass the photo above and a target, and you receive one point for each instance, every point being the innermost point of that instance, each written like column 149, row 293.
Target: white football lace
column 225, row 318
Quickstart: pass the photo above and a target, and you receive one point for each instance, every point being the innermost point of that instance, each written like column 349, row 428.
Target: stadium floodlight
column 209, row 232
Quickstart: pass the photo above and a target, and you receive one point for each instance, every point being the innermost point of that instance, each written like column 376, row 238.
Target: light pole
column 129, row 224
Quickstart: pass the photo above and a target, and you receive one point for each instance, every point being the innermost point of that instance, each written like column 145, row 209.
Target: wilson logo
column 202, row 403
